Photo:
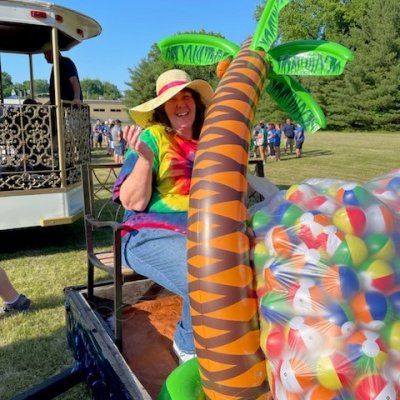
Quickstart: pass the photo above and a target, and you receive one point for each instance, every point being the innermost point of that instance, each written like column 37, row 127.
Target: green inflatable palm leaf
column 297, row 102
column 196, row 49
column 309, row 57
column 267, row 28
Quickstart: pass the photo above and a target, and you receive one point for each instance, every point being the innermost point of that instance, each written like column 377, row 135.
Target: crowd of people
column 267, row 138
column 111, row 135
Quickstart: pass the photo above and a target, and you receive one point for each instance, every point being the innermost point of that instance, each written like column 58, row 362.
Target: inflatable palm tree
column 230, row 363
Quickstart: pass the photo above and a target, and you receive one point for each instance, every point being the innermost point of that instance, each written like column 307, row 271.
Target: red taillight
column 79, row 32
column 38, row 14
column 59, row 18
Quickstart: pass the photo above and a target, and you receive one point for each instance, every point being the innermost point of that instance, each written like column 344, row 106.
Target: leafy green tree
column 367, row 95
column 96, row 89
column 40, row 87
column 372, row 87
column 7, row 84
column 111, row 91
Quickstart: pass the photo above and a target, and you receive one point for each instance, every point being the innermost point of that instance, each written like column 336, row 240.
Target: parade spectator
column 260, row 141
column 299, row 137
column 288, row 131
column 277, row 142
column 108, row 138
column 270, row 139
column 13, row 301
column 119, row 143
column 97, row 133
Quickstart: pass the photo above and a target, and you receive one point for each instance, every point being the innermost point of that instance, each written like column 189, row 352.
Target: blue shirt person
column 299, row 137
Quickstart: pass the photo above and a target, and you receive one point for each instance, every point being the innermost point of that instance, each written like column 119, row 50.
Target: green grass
column 41, row 262
column 349, row 156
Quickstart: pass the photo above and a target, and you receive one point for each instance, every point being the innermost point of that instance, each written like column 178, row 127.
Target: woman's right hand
column 132, row 136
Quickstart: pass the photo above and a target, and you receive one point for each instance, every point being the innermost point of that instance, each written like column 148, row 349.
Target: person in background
column 70, row 86
column 299, row 137
column 288, row 131
column 97, row 134
column 13, row 301
column 261, row 142
column 119, row 143
column 270, row 139
column 153, row 186
column 277, row 142
column 108, row 138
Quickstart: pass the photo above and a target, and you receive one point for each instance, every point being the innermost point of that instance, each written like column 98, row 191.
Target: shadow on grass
column 47, row 240
column 316, row 153
column 41, row 303
column 22, row 376
column 305, row 154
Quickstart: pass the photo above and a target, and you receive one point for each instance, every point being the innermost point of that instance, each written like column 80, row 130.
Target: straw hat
column 168, row 84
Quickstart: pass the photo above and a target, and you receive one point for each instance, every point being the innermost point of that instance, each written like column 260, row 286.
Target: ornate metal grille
column 29, row 150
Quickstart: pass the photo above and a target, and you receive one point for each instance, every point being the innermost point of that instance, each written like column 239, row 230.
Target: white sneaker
column 182, row 355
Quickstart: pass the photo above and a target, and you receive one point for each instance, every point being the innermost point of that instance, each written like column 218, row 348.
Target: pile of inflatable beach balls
column 327, row 259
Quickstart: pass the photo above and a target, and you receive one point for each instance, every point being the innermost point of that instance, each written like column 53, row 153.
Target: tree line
column 365, row 97
column 92, row 89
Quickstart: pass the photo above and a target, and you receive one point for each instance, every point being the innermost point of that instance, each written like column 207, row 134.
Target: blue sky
column 131, row 27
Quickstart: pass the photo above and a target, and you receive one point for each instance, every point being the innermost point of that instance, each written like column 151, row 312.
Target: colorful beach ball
column 352, row 194
column 310, row 226
column 351, row 251
column 350, row 219
column 338, row 321
column 340, row 282
column 395, row 263
column 260, row 255
column 380, row 246
column 335, row 371
column 374, row 386
column 282, row 394
column 367, row 351
column 296, row 374
column 319, row 392
column 300, row 194
column 394, row 185
column 287, row 214
column 371, row 309
column 306, row 297
column 275, row 342
column 330, row 239
column 275, row 275
column 324, row 204
column 305, row 261
column 260, row 222
column 276, row 308
column 391, row 337
column 393, row 296
column 279, row 242
column 303, row 335
column 380, row 219
column 376, row 275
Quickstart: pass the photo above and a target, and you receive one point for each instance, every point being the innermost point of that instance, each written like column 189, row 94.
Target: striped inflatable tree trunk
column 223, row 301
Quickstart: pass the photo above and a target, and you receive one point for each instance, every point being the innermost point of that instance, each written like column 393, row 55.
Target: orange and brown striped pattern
column 224, row 305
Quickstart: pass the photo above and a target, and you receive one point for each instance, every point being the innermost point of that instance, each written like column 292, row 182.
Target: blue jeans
column 160, row 254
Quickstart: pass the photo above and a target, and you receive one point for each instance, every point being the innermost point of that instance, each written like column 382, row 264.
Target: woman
column 154, row 184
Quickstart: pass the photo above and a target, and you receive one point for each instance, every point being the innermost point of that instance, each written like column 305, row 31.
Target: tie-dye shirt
column 172, row 171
